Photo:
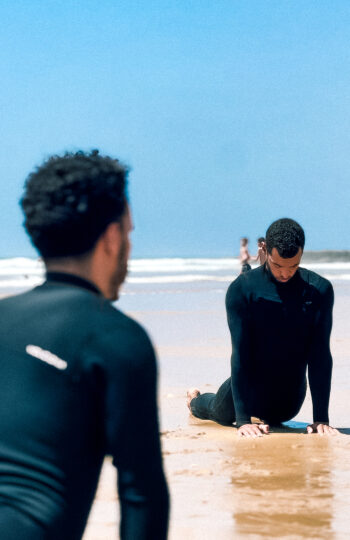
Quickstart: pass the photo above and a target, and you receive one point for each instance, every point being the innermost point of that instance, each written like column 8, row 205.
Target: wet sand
column 285, row 485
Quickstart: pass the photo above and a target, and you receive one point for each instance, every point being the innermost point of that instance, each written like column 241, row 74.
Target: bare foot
column 191, row 393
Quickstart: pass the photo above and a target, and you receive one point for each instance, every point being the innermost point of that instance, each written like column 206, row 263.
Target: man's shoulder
column 120, row 339
column 111, row 325
column 117, row 331
column 245, row 283
column 89, row 316
column 124, row 341
column 316, row 281
column 248, row 279
column 124, row 323
column 77, row 325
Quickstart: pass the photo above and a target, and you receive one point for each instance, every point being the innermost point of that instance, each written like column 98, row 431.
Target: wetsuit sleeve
column 320, row 359
column 238, row 322
column 133, row 440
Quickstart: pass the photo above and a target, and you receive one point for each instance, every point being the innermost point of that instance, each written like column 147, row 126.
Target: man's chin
column 118, row 282
column 114, row 293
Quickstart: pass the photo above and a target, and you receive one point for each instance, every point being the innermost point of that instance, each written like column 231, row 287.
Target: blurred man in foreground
column 77, row 376
column 280, row 319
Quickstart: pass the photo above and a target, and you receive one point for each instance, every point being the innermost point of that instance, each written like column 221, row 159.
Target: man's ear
column 111, row 238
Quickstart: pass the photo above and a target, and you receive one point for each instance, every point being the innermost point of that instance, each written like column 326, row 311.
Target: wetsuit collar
column 72, row 279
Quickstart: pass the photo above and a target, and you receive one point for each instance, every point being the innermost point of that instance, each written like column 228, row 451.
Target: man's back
column 77, row 382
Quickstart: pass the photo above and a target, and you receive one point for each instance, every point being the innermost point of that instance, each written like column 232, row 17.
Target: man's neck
column 80, row 266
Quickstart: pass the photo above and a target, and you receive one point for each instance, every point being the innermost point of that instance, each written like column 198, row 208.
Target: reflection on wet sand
column 286, row 485
column 282, row 486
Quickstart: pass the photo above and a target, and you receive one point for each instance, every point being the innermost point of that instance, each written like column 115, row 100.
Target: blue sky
column 231, row 113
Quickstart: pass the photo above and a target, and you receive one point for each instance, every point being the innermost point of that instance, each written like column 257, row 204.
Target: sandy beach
column 285, row 485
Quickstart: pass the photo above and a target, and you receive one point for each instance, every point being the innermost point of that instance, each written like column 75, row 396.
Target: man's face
column 283, row 269
column 121, row 270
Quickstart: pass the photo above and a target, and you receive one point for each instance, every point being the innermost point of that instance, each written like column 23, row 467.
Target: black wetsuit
column 77, row 382
column 278, row 330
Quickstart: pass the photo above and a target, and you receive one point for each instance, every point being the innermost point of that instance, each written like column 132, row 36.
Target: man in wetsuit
column 280, row 319
column 77, row 376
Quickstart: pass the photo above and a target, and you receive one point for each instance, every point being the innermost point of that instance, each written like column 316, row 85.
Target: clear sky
column 231, row 113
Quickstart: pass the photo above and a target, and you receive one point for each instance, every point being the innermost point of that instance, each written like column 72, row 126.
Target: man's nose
column 285, row 274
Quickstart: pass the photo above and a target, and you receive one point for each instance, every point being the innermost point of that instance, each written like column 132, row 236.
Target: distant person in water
column 280, row 319
column 261, row 255
column 244, row 255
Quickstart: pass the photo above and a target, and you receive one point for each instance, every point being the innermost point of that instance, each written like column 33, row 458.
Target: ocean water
column 166, row 274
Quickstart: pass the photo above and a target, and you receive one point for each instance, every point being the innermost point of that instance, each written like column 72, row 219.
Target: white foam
column 22, row 273
column 178, row 278
column 20, row 283
column 182, row 265
column 327, row 266
column 337, row 277
column 21, row 266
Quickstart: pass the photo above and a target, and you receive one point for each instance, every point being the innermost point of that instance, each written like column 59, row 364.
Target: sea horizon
column 21, row 273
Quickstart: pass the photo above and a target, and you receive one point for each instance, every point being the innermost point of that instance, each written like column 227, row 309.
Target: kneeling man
column 280, row 319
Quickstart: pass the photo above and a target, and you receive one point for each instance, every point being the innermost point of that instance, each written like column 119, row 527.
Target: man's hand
column 321, row 429
column 253, row 430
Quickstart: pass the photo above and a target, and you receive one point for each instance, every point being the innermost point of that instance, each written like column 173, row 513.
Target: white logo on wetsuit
column 46, row 356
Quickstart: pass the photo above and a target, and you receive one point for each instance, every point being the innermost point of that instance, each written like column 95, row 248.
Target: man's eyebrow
column 292, row 266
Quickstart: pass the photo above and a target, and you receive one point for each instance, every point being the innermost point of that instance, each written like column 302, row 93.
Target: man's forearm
column 320, row 361
column 238, row 322
column 144, row 512
column 320, row 387
column 241, row 395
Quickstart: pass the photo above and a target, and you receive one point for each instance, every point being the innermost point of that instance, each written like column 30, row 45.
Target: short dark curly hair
column 287, row 236
column 70, row 200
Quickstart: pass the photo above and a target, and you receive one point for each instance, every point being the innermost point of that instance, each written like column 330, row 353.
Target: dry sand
column 285, row 485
